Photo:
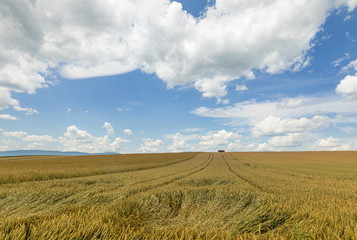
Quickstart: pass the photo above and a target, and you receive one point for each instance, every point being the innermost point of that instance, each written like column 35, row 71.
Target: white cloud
column 180, row 142
column 283, row 142
column 150, row 145
column 222, row 101
column 235, row 146
column 331, row 143
column 36, row 138
column 123, row 109
column 288, row 140
column 116, row 145
column 347, row 18
column 348, row 87
column 348, row 130
column 29, row 138
column 338, row 61
column 17, row 134
column 328, row 142
column 277, row 126
column 189, row 130
column 351, row 4
column 210, row 141
column 109, row 68
column 230, row 40
column 76, row 139
column 226, row 52
column 348, row 36
column 352, row 64
column 6, row 101
column 291, row 102
column 263, row 147
column 212, row 87
column 213, row 140
column 75, row 133
column 9, row 144
column 109, row 127
column 245, row 112
column 128, row 131
column 7, row 117
column 241, row 88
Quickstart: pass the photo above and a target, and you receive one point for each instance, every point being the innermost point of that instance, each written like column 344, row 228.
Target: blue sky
column 166, row 76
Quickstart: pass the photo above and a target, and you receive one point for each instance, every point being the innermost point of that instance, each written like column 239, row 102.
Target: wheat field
column 291, row 195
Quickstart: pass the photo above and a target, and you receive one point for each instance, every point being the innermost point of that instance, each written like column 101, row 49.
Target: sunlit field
column 295, row 195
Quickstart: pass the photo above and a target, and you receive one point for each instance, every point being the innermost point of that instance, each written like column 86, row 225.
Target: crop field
column 288, row 195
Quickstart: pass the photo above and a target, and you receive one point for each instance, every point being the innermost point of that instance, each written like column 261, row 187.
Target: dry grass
column 310, row 195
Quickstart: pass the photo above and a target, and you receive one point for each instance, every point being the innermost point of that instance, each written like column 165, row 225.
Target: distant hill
column 42, row 152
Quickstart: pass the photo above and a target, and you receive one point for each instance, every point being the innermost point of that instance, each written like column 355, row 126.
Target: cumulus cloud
column 331, row 143
column 293, row 140
column 116, row 145
column 36, row 138
column 128, row 131
column 178, row 143
column 212, row 140
column 288, row 140
column 277, row 126
column 7, row 117
column 283, row 142
column 76, row 139
column 263, row 147
column 17, row 134
column 235, row 146
column 289, row 122
column 229, row 41
column 348, row 87
column 181, row 142
column 328, row 142
column 109, row 127
column 217, row 51
column 209, row 141
column 24, row 136
column 150, row 145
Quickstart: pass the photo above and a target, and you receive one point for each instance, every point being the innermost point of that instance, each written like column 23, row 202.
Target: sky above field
column 164, row 76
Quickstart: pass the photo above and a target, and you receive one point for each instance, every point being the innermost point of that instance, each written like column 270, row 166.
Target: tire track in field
column 142, row 169
column 101, row 173
column 148, row 188
column 137, row 189
column 250, row 182
column 126, row 193
column 292, row 175
column 168, row 175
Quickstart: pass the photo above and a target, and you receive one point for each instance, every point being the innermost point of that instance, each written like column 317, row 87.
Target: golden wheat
column 298, row 195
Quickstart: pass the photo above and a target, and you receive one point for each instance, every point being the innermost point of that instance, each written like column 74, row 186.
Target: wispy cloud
column 7, row 117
